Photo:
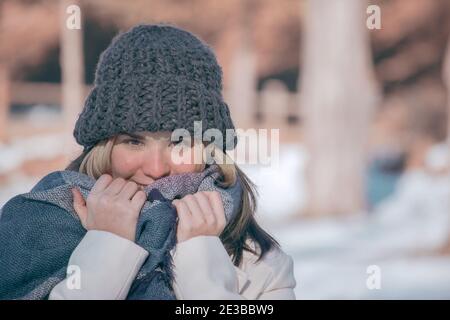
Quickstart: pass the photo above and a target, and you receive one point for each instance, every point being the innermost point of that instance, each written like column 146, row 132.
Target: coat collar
column 243, row 280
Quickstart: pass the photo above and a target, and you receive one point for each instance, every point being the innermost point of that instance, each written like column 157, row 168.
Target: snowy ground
column 13, row 154
column 331, row 256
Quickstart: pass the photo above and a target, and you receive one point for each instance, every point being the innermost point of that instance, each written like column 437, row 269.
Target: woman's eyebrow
column 135, row 136
column 143, row 137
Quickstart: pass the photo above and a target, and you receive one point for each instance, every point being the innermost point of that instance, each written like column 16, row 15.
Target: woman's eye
column 133, row 142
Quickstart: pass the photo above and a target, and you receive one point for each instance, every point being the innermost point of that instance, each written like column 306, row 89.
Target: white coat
column 107, row 265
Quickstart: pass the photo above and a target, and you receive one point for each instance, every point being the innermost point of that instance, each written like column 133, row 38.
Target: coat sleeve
column 104, row 265
column 204, row 270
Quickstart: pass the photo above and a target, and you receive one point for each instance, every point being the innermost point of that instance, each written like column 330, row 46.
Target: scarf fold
column 40, row 229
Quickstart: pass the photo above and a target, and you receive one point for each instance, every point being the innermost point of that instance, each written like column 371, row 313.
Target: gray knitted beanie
column 154, row 78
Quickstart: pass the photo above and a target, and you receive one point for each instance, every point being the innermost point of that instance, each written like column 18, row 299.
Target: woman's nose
column 155, row 165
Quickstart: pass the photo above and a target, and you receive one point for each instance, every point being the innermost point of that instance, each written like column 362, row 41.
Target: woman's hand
column 201, row 213
column 112, row 205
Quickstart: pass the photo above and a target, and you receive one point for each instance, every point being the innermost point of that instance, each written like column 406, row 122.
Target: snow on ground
column 332, row 256
column 19, row 150
column 281, row 187
column 18, row 184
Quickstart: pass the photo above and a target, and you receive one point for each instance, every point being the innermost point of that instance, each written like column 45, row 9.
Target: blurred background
column 363, row 177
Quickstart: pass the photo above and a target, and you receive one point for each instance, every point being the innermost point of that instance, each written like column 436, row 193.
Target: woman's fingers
column 198, row 216
column 207, row 209
column 115, row 187
column 80, row 206
column 185, row 223
column 129, row 190
column 138, row 200
column 101, row 184
column 215, row 199
column 182, row 209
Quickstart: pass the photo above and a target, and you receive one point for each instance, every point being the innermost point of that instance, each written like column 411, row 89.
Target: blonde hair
column 97, row 161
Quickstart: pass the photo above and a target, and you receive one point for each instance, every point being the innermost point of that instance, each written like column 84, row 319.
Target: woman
column 151, row 81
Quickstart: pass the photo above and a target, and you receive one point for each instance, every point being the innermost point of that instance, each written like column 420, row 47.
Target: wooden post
column 4, row 101
column 72, row 69
column 338, row 94
column 241, row 92
column 446, row 77
column 275, row 104
column 5, row 86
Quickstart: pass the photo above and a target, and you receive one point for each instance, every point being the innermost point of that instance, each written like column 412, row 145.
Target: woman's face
column 144, row 157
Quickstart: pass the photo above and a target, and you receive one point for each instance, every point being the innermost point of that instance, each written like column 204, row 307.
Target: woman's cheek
column 182, row 168
column 185, row 167
column 123, row 163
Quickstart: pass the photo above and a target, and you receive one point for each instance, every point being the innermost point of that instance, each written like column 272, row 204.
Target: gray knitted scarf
column 40, row 229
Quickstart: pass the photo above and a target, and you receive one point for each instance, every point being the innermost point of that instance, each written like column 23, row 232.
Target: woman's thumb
column 79, row 205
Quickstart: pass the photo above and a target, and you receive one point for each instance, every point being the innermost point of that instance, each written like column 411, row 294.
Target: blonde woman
column 140, row 224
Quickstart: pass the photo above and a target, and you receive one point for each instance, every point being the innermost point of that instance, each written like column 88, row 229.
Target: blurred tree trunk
column 446, row 77
column 242, row 81
column 339, row 93
column 4, row 84
column 72, row 70
column 4, row 101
